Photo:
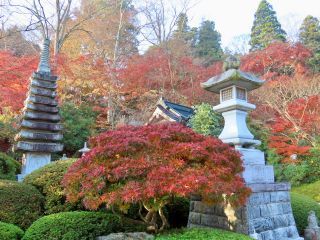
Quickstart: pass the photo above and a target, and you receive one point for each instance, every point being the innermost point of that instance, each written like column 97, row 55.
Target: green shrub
column 310, row 190
column 301, row 206
column 20, row 204
column 48, row 181
column 79, row 125
column 8, row 167
column 79, row 225
column 200, row 234
column 10, row 232
column 206, row 121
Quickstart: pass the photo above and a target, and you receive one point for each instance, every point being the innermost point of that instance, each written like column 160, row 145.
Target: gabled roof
column 232, row 77
column 170, row 111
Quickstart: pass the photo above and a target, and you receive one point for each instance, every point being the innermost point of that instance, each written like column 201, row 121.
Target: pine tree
column 310, row 36
column 266, row 27
column 208, row 45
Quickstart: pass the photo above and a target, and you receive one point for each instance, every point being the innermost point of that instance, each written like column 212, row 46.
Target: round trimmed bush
column 20, row 204
column 10, row 232
column 202, row 233
column 76, row 225
column 8, row 167
column 301, row 206
column 48, row 181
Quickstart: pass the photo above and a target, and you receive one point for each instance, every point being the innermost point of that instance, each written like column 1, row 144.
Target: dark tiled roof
column 184, row 111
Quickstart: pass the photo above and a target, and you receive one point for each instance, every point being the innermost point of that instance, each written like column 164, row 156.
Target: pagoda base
column 267, row 215
column 32, row 162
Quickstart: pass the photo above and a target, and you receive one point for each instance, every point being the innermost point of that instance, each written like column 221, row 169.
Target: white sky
column 235, row 17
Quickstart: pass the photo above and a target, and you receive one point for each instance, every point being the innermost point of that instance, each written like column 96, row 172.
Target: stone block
column 201, row 207
column 253, row 212
column 268, row 187
column 127, row 236
column 258, row 174
column 209, row 220
column 194, row 218
column 259, row 198
column 262, row 224
column 286, row 208
column 252, row 156
column 280, row 196
column 267, row 235
column 271, row 209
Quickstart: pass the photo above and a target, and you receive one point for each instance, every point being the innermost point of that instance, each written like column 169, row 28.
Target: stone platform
column 267, row 213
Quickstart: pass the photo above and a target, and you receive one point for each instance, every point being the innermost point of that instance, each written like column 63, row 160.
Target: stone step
column 258, row 174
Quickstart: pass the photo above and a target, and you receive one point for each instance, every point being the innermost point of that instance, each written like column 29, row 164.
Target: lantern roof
column 232, row 77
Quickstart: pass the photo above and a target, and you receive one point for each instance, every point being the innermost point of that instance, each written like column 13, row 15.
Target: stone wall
column 267, row 212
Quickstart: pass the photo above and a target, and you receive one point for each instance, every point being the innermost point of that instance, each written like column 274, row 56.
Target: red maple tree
column 149, row 165
column 276, row 60
column 14, row 79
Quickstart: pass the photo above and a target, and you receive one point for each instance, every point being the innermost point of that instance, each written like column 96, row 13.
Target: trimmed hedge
column 8, row 167
column 310, row 190
column 202, row 233
column 10, row 232
column 20, row 204
column 301, row 206
column 79, row 225
column 48, row 181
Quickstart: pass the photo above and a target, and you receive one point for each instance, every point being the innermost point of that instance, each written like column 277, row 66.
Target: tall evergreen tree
column 310, row 36
column 183, row 31
column 266, row 27
column 208, row 45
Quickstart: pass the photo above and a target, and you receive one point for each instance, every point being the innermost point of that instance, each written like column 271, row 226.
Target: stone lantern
column 85, row 149
column 267, row 215
column 233, row 87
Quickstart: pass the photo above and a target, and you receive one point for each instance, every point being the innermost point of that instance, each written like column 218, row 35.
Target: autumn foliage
column 14, row 74
column 150, row 165
column 276, row 60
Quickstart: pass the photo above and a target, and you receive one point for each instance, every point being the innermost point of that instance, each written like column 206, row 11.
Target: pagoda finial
column 231, row 62
column 44, row 65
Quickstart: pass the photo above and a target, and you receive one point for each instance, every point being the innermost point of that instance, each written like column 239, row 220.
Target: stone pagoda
column 267, row 214
column 40, row 131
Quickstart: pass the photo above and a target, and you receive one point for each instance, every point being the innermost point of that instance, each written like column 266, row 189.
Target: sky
column 235, row 17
